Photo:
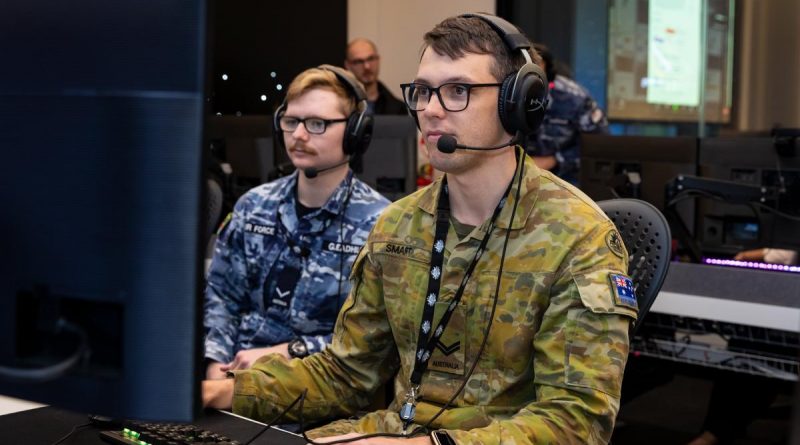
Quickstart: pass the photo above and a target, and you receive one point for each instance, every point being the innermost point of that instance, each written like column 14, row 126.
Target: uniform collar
column 528, row 195
column 334, row 204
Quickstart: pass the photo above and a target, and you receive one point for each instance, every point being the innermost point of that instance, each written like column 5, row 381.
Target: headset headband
column 510, row 34
column 342, row 75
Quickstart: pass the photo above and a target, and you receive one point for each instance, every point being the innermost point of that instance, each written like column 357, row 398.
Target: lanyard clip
column 409, row 408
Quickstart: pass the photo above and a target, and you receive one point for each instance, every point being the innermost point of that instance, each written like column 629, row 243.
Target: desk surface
column 10, row 405
column 46, row 425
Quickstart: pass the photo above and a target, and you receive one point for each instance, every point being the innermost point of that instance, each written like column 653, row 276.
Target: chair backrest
column 647, row 238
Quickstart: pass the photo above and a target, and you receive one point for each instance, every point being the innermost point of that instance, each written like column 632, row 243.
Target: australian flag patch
column 622, row 287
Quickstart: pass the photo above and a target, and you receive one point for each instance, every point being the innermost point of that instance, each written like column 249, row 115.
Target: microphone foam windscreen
column 446, row 144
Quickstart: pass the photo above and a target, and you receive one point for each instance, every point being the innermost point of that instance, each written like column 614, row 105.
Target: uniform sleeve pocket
column 597, row 334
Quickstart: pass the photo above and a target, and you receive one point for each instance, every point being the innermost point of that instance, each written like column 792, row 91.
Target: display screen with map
column 657, row 52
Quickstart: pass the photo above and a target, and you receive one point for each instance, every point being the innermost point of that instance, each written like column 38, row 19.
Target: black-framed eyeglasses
column 314, row 125
column 359, row 62
column 453, row 96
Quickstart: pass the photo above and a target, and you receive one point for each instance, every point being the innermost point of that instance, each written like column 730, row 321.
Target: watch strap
column 298, row 348
column 442, row 438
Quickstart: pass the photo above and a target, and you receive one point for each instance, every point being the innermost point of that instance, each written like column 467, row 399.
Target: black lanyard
column 425, row 344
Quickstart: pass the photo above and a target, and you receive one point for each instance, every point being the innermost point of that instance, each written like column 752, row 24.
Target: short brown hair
column 455, row 36
column 326, row 80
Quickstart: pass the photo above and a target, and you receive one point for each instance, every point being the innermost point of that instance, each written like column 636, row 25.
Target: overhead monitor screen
column 657, row 52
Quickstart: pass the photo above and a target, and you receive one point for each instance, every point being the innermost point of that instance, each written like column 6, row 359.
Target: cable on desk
column 272, row 422
column 74, row 430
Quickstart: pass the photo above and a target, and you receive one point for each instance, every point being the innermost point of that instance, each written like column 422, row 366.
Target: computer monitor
column 636, row 167
column 247, row 145
column 390, row 163
column 724, row 228
column 101, row 107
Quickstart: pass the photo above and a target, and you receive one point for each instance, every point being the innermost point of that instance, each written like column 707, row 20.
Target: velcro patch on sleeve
column 622, row 289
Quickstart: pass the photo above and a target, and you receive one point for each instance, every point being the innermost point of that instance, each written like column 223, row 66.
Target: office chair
column 647, row 238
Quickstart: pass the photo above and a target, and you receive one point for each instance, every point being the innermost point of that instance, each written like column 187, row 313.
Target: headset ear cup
column 350, row 134
column 523, row 100
column 358, row 131
column 523, row 95
column 365, row 137
column 358, row 134
column 502, row 103
column 534, row 101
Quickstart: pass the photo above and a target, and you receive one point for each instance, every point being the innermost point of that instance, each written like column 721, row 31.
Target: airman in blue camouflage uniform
column 279, row 272
column 536, row 345
column 572, row 111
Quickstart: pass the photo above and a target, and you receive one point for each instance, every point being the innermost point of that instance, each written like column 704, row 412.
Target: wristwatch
column 297, row 348
column 442, row 438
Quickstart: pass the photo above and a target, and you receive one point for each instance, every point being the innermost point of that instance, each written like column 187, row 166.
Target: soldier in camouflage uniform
column 280, row 266
column 571, row 111
column 555, row 334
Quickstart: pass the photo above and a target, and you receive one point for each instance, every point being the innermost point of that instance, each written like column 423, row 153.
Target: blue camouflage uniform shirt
column 571, row 112
column 244, row 306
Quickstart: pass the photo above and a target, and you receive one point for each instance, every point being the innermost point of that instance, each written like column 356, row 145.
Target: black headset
column 523, row 95
column 358, row 132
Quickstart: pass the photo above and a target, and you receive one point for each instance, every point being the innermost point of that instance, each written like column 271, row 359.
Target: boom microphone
column 312, row 172
column 448, row 144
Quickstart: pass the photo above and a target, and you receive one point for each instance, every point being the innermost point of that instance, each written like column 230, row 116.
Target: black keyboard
column 142, row 433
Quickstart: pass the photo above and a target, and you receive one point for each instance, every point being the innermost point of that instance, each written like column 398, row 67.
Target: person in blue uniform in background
column 279, row 272
column 555, row 145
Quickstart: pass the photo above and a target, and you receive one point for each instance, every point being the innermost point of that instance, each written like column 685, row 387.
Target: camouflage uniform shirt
column 571, row 112
column 552, row 367
column 263, row 239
